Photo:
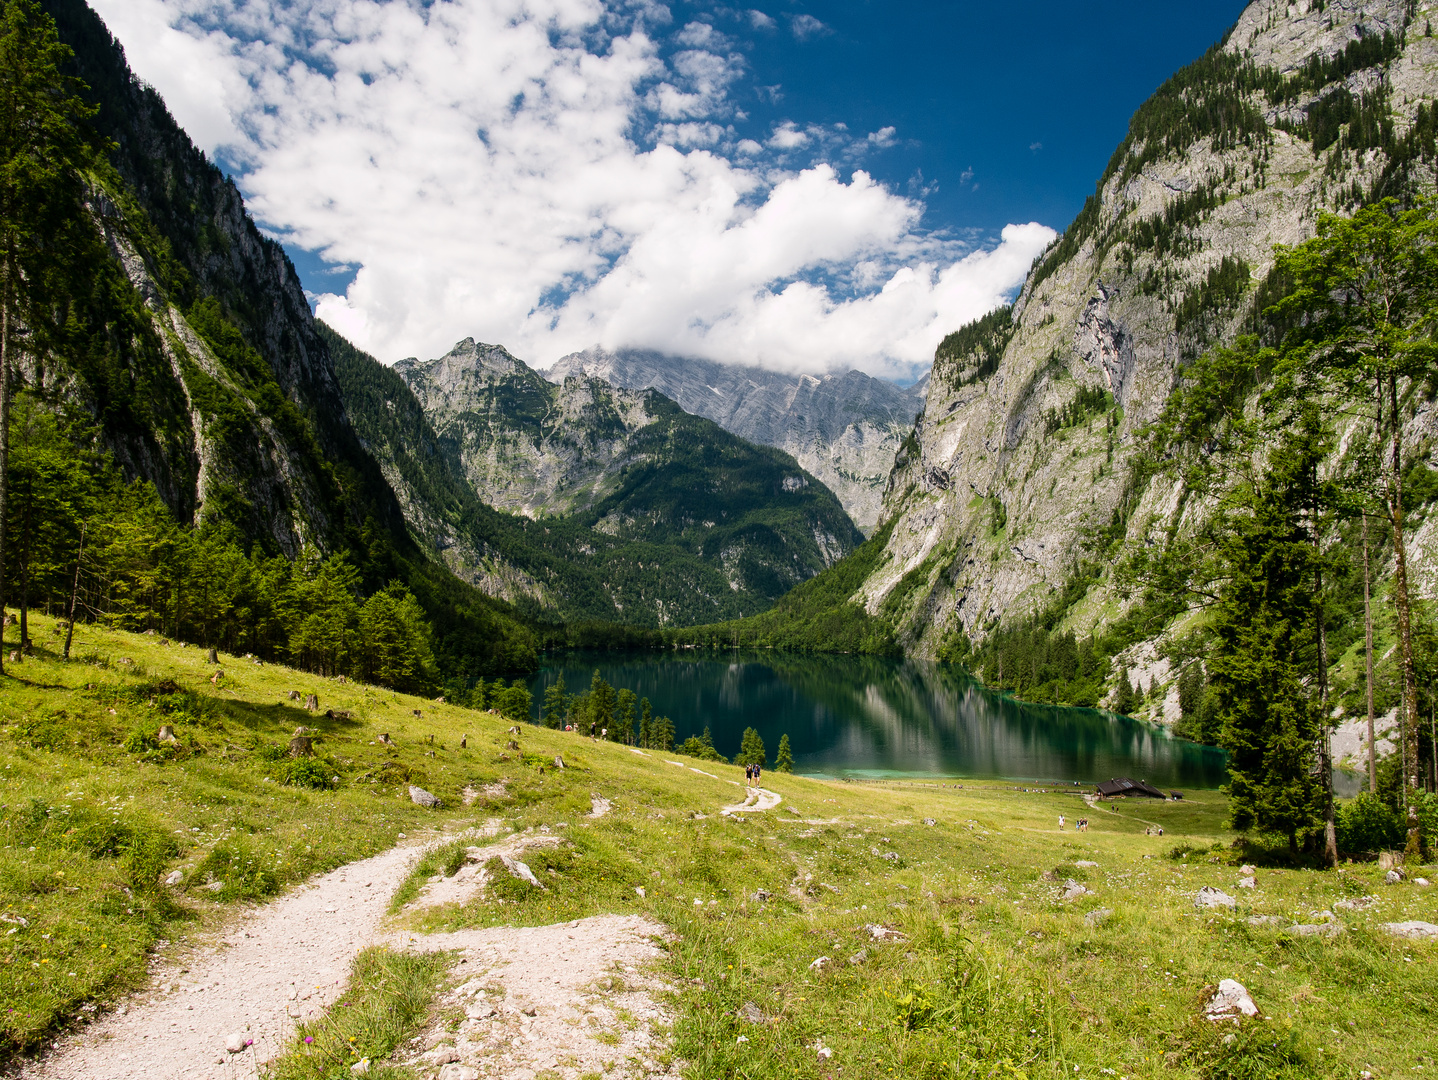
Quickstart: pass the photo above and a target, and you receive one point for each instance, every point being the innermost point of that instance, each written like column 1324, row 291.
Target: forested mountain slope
column 189, row 360
column 844, row 428
column 1022, row 489
column 583, row 501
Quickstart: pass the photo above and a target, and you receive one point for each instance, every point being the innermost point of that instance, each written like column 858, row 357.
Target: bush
column 240, row 872
column 1367, row 823
column 308, row 773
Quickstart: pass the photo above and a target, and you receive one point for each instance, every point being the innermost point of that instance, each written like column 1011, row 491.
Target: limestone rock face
column 1018, row 470
column 844, row 428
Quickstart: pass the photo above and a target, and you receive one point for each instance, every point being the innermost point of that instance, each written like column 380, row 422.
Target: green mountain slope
column 643, row 513
column 191, row 365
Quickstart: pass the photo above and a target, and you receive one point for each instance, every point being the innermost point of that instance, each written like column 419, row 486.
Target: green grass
column 994, row 974
column 388, row 997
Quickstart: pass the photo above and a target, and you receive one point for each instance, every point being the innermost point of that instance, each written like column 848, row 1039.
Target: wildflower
column 309, row 1039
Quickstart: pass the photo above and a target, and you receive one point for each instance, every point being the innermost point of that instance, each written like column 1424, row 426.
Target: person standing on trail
column 1061, row 823
column 757, row 770
column 748, row 775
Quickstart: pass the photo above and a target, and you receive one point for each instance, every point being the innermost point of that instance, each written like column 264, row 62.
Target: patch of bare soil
column 564, row 1000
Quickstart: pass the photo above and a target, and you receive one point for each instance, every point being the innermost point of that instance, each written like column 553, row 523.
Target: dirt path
column 288, row 961
column 572, row 998
column 275, row 964
column 756, row 800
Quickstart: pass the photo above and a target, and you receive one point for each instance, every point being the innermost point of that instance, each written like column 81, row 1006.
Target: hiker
column 748, row 775
column 757, row 770
column 1061, row 823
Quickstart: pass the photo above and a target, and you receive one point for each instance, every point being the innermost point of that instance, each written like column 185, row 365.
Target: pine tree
column 554, row 699
column 663, row 738
column 646, row 723
column 784, row 757
column 601, row 705
column 46, row 148
column 1125, row 699
column 751, row 748
column 623, row 731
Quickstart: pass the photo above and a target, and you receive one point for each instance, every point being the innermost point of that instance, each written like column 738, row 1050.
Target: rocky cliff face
column 592, row 501
column 844, row 429
column 1305, row 107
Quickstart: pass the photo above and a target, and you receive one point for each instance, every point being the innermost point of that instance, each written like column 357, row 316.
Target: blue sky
column 803, row 186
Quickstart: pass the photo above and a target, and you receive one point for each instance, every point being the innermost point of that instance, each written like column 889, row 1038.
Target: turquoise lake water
column 871, row 717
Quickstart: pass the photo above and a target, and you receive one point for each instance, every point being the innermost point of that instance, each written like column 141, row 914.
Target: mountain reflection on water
column 866, row 716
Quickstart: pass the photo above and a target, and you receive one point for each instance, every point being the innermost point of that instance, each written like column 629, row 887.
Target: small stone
column 1420, row 881
column 1247, row 870
column 1248, row 883
column 458, row 1072
column 1357, row 903
column 175, row 877
column 1393, row 877
column 1074, row 889
column 859, row 957
column 930, row 821
column 1230, row 1001
column 762, row 896
column 360, row 1067
column 1086, row 863
column 1209, row 897
column 1098, row 916
column 1331, row 929
column 520, row 870
column 236, row 1043
column 1266, row 920
column 823, row 1051
column 820, row 964
column 483, row 1011
column 420, row 797
column 1414, row 931
column 441, row 1055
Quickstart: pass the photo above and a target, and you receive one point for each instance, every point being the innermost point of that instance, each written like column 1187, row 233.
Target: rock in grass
column 820, row 964
column 1098, row 916
column 1209, row 897
column 1414, row 931
column 1393, row 877
column 1266, row 920
column 1085, row 863
column 520, row 870
column 441, row 1055
column 1248, row 882
column 751, row 1013
column 420, row 797
column 1231, row 1001
column 360, row 1067
column 1356, row 903
column 860, row 957
column 1331, row 929
column 458, row 1072
column 175, row 877
column 1074, row 889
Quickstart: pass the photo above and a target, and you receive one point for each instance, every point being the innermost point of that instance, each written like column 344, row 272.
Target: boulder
column 520, row 870
column 1209, row 897
column 420, row 797
column 1413, row 931
column 1231, row 1001
column 1393, row 877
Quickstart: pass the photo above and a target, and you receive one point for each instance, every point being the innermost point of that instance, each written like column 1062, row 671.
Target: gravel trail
column 274, row 965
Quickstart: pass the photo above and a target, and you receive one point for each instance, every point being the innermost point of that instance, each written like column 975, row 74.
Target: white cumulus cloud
column 555, row 174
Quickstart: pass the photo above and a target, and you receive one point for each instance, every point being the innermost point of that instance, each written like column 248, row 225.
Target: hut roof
column 1124, row 786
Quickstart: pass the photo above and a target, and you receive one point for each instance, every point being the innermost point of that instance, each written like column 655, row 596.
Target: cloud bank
column 556, row 174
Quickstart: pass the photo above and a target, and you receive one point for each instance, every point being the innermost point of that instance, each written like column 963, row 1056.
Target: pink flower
column 309, row 1039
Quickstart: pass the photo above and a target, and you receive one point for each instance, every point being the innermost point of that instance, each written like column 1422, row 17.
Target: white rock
column 175, row 877
column 236, row 1043
column 458, row 1072
column 1074, row 889
column 420, row 797
column 1098, row 916
column 1248, row 883
column 1230, row 1001
column 1418, row 931
column 822, row 1050
column 639, row 891
column 1085, row 862
column 1393, row 877
column 820, row 964
column 520, row 870
column 1209, row 897
column 1266, row 920
column 1420, row 881
column 441, row 1055
column 1357, row 903
column 360, row 1067
column 1331, row 929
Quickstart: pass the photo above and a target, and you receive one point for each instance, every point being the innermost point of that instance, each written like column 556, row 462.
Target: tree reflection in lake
column 867, row 716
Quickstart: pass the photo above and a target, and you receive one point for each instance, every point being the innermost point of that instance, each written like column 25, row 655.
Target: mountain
column 1016, row 493
column 586, row 502
column 191, row 362
column 843, row 428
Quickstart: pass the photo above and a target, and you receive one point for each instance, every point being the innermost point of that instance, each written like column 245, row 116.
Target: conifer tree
column 46, row 149
column 1125, row 698
column 751, row 749
column 663, row 737
column 623, row 731
column 601, row 704
column 646, row 723
column 784, row 756
column 554, row 698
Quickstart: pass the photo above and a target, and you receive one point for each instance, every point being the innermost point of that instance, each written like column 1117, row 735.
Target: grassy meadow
column 951, row 952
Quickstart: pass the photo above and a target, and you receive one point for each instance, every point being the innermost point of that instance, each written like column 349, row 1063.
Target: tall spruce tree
column 47, row 148
column 784, row 756
column 751, row 749
column 554, row 697
column 1363, row 307
column 623, row 731
column 646, row 723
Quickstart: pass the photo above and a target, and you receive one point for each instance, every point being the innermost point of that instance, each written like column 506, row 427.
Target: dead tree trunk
column 74, row 593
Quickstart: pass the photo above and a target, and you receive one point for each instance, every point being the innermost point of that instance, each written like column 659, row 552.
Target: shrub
column 308, row 773
column 1367, row 823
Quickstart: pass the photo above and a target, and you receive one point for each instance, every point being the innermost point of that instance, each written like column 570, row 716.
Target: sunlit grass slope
column 979, row 967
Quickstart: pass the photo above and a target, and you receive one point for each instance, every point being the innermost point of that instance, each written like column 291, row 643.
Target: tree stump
column 167, row 734
column 213, row 656
column 302, row 746
column 463, row 741
column 294, row 695
column 384, row 738
column 312, row 703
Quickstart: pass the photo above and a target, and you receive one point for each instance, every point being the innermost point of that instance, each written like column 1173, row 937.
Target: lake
column 873, row 717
